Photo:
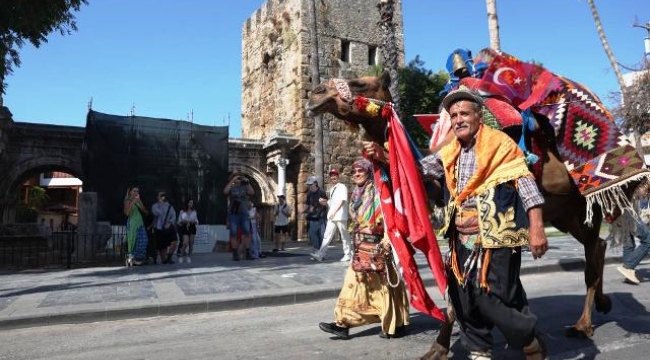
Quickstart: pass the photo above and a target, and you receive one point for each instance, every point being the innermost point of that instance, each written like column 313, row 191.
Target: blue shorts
column 239, row 221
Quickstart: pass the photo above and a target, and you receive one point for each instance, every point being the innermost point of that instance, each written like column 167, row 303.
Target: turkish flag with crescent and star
column 524, row 84
column 406, row 216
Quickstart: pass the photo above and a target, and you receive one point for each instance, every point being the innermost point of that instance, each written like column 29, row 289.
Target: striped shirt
column 432, row 168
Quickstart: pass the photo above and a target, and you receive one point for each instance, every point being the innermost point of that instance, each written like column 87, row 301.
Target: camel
column 565, row 208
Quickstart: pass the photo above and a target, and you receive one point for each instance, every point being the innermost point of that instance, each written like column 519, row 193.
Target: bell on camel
column 460, row 69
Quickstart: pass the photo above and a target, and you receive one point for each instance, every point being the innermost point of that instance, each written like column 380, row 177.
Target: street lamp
column 646, row 41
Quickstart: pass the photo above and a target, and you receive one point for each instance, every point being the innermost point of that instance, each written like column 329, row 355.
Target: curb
column 237, row 302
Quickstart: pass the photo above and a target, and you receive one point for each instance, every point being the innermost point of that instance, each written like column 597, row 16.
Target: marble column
column 282, row 175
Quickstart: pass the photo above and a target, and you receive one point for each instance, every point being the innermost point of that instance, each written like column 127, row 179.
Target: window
column 372, row 55
column 345, row 50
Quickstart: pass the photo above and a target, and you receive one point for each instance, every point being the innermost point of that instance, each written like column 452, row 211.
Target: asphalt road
column 291, row 332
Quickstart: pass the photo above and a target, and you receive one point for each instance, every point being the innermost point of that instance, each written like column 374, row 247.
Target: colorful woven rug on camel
column 600, row 158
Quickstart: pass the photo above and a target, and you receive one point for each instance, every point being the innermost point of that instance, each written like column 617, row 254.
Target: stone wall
column 276, row 78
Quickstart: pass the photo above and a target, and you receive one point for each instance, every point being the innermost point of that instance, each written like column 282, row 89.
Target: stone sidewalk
column 212, row 282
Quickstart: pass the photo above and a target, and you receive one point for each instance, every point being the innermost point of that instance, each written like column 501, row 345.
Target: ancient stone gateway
column 29, row 149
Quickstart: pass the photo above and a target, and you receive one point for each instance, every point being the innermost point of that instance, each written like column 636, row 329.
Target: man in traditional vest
column 493, row 209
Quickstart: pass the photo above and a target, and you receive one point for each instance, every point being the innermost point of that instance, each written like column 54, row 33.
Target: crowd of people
column 158, row 238
column 483, row 268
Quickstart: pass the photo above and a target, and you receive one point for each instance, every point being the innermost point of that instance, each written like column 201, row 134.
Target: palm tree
column 614, row 63
column 315, row 80
column 389, row 41
column 493, row 24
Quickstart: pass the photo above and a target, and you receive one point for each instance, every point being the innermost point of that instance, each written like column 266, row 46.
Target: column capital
column 282, row 162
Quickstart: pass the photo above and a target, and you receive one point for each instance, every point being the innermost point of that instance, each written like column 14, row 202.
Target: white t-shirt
column 338, row 194
column 189, row 216
column 282, row 213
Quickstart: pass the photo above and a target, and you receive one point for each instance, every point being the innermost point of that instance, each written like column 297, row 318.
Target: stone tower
column 276, row 78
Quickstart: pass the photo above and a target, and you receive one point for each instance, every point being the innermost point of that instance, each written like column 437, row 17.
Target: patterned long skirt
column 368, row 298
column 138, row 246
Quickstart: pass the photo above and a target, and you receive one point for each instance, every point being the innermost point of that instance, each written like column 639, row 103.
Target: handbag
column 171, row 229
column 369, row 254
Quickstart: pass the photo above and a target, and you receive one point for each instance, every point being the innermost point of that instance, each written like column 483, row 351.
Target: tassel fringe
column 613, row 197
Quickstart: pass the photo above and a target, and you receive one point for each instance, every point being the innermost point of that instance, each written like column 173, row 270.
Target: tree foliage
column 419, row 89
column 635, row 110
column 37, row 198
column 31, row 21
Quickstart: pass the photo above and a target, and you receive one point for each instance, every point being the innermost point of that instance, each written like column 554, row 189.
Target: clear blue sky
column 170, row 57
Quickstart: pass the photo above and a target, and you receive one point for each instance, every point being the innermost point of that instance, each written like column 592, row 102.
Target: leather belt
column 371, row 238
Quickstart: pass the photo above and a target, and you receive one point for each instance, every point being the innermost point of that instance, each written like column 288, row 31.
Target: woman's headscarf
column 365, row 209
column 366, row 166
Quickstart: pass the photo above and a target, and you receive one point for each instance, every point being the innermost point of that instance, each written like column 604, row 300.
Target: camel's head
column 358, row 102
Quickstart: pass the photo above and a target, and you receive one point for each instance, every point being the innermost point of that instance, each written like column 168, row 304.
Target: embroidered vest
column 502, row 218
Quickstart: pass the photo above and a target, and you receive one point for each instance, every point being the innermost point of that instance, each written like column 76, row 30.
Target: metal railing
column 61, row 249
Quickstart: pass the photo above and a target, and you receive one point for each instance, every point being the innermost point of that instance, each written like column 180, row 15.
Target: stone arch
column 266, row 185
column 13, row 178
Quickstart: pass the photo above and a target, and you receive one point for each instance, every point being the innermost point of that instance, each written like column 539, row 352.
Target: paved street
column 291, row 332
column 212, row 282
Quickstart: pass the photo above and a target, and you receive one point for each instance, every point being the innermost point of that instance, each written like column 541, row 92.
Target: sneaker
column 188, row 260
column 332, row 328
column 180, row 259
column 345, row 258
column 629, row 274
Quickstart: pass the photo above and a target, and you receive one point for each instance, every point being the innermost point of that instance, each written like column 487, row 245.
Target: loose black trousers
column 504, row 306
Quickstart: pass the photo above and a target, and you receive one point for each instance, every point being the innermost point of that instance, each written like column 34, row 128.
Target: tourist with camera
column 281, row 212
column 238, row 191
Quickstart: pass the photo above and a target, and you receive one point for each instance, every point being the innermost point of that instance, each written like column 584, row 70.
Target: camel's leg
column 572, row 222
column 595, row 257
column 440, row 347
column 603, row 302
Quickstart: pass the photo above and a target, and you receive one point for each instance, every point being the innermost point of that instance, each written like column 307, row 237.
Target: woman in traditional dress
column 136, row 234
column 369, row 297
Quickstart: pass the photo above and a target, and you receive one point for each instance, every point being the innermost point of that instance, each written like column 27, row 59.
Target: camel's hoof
column 437, row 352
column 576, row 332
column 604, row 306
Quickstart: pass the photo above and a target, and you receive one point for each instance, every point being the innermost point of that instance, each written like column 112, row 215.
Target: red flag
column 523, row 84
column 406, row 217
column 427, row 121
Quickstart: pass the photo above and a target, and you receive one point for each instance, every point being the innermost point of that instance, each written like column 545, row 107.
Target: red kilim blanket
column 599, row 157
